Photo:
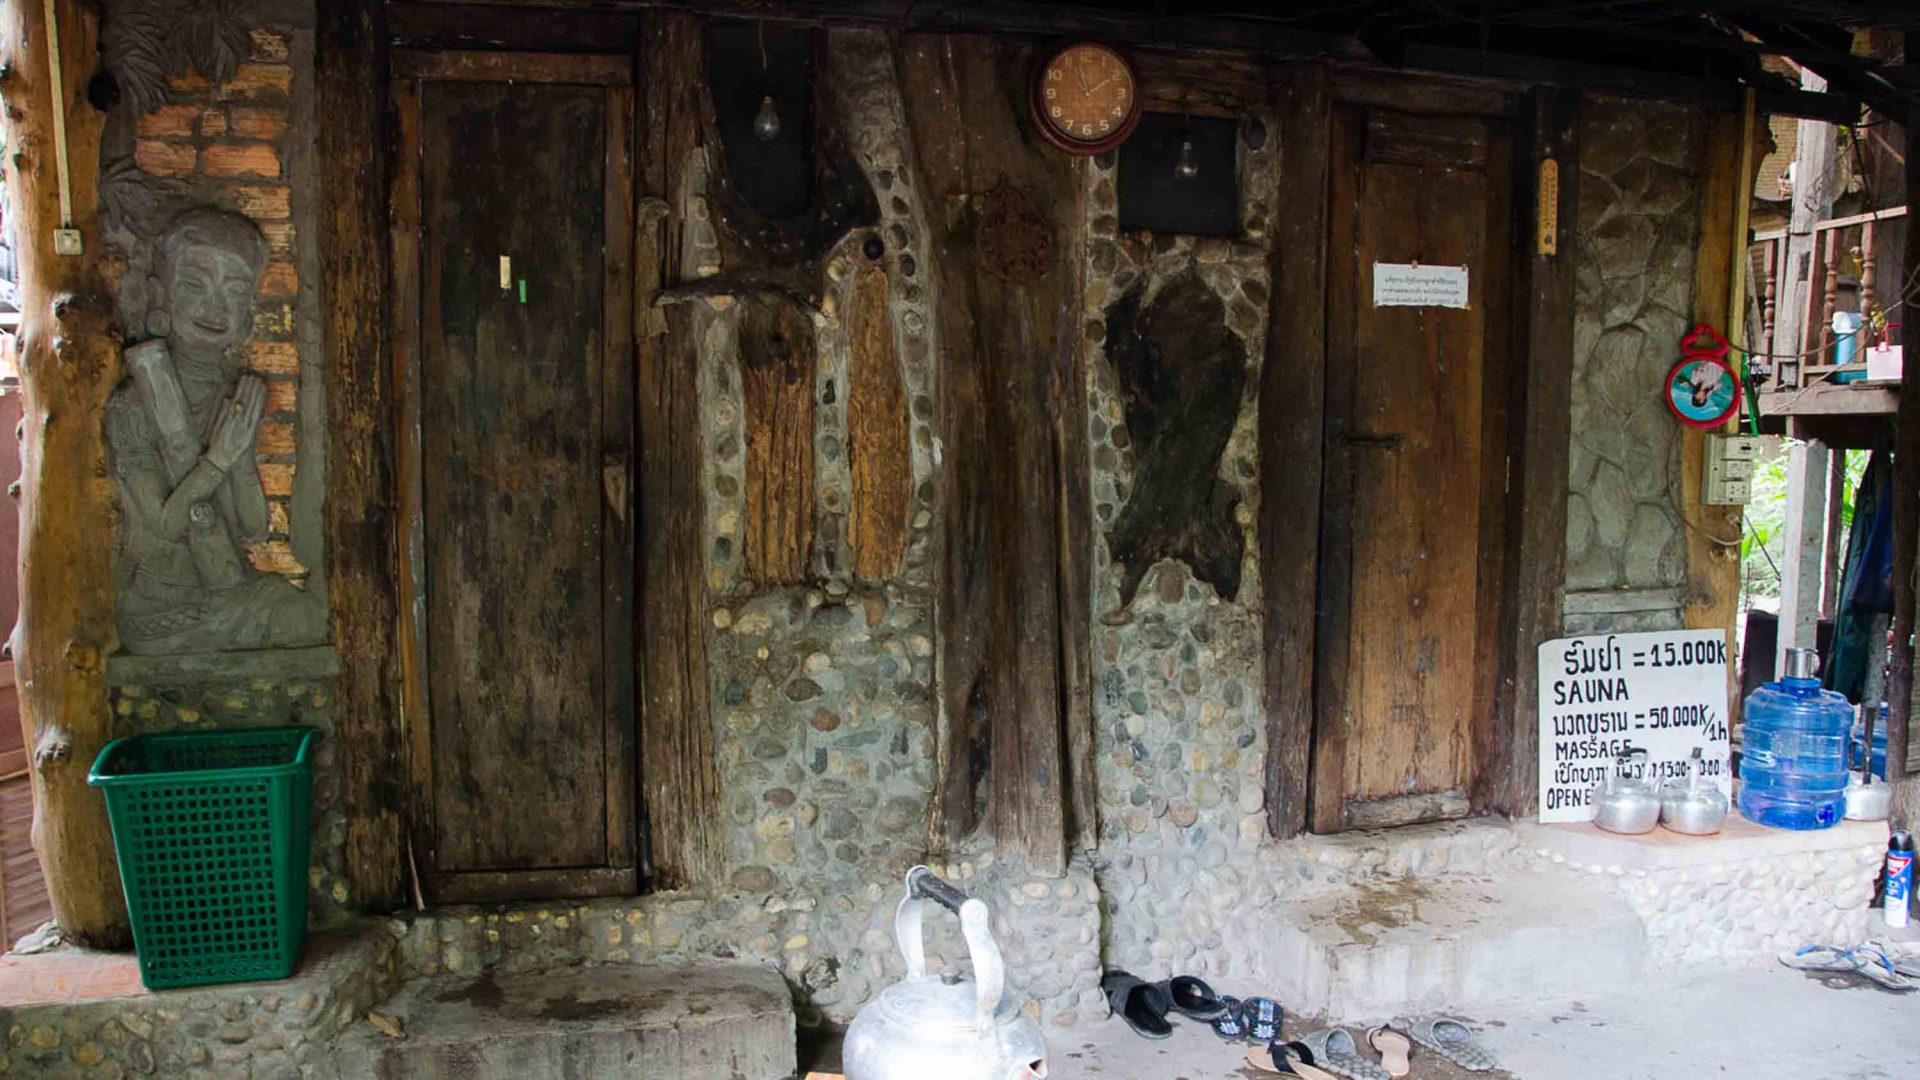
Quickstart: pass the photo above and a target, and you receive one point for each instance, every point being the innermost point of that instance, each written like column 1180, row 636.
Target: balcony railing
column 1795, row 377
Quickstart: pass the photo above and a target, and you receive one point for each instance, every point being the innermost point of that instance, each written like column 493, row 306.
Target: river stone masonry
column 1635, row 234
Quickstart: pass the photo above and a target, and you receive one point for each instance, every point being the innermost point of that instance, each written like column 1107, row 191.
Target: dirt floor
column 1702, row 1024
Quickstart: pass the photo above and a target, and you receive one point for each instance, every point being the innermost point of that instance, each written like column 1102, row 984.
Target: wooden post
column 1804, row 547
column 1813, row 167
column 1834, row 536
column 69, row 363
column 1902, row 753
column 350, row 78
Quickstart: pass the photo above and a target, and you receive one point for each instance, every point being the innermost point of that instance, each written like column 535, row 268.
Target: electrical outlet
column 1728, row 476
column 67, row 242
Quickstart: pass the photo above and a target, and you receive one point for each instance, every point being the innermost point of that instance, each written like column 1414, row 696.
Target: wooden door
column 1415, row 471
column 512, row 215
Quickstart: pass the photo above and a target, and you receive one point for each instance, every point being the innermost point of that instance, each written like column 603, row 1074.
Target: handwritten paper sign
column 1663, row 692
column 1413, row 285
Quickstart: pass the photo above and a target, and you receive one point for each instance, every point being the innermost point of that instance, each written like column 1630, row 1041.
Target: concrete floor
column 1702, row 1023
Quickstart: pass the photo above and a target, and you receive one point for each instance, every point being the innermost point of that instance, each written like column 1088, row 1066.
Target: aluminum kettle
column 1622, row 803
column 1694, row 805
column 926, row 1027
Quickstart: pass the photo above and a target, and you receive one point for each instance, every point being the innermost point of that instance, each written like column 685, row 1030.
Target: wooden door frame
column 1537, row 394
column 411, row 71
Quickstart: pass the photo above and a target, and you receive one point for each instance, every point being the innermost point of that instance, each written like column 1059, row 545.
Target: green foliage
column 1763, row 546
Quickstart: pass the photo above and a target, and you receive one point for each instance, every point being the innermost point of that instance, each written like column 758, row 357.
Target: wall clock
column 1085, row 98
column 1703, row 389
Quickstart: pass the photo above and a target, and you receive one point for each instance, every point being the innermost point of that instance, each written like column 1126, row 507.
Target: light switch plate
column 1727, row 479
column 68, row 242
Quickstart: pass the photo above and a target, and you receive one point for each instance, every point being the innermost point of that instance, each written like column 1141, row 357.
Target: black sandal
column 1192, row 997
column 1142, row 1004
column 1262, row 1018
column 1227, row 1025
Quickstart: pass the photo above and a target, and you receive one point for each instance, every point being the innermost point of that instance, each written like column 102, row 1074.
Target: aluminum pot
column 1694, row 805
column 1623, row 804
column 925, row 1027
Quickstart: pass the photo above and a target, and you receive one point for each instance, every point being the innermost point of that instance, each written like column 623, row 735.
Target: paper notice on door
column 1414, row 285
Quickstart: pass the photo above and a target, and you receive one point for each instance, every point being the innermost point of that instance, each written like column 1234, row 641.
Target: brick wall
column 227, row 145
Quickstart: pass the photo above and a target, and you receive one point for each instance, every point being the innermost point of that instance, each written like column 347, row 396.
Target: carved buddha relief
column 181, row 430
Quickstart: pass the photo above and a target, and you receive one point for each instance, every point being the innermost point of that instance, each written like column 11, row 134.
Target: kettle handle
column 989, row 971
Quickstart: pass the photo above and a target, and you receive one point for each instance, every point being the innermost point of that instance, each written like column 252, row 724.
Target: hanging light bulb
column 1186, row 166
column 766, row 122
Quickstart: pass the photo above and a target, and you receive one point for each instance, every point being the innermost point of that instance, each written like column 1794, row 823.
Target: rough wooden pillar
column 350, row 80
column 1804, row 548
column 69, row 363
column 1903, row 755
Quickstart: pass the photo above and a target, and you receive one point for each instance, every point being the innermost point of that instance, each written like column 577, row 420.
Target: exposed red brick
column 268, row 47
column 254, row 81
column 240, row 159
column 279, row 279
column 273, row 358
column 276, row 478
column 259, row 121
column 279, row 236
column 190, row 82
column 275, row 557
column 213, row 122
column 164, row 158
column 273, row 321
column 276, row 437
column 169, row 120
column 283, row 395
column 264, row 202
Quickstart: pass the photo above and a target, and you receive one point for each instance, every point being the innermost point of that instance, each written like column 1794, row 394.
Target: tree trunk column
column 69, row 362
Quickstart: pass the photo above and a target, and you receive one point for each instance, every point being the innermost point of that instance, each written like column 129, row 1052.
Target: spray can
column 1899, row 891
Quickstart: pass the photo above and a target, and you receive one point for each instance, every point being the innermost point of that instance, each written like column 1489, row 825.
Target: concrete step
column 725, row 1021
column 1455, row 942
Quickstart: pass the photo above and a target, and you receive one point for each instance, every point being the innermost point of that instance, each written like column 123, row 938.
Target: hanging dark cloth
column 1866, row 585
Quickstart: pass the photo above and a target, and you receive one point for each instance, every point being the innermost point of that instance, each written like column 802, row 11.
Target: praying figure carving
column 181, row 430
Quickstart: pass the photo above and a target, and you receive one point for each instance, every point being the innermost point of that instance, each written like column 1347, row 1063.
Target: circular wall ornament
column 1702, row 389
column 1085, row 98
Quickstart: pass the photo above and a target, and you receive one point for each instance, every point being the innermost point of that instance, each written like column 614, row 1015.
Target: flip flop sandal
column 1334, row 1049
column 1450, row 1039
column 1819, row 958
column 1866, row 961
column 1394, row 1048
column 1287, row 1059
column 1262, row 1018
column 1140, row 1003
column 1192, row 997
column 1227, row 1025
column 1875, row 965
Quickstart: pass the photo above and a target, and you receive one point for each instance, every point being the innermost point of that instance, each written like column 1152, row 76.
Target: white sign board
column 1413, row 285
column 1663, row 692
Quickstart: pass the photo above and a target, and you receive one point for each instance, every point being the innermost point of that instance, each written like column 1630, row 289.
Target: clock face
column 1085, row 100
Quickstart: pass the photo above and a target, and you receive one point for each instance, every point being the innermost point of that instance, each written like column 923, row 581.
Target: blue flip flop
column 1228, row 1025
column 1262, row 1018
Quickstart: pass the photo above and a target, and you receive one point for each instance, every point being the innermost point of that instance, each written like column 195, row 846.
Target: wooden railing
column 1808, row 359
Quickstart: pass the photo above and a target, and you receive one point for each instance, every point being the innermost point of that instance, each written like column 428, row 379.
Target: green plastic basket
column 211, row 832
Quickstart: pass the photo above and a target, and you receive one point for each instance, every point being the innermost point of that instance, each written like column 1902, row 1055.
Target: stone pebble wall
column 1634, row 242
column 228, row 145
column 1179, row 740
column 197, row 704
column 264, row 1030
column 1751, row 909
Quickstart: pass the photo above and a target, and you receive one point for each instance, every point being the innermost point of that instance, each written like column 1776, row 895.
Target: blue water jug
column 1858, row 742
column 1793, row 758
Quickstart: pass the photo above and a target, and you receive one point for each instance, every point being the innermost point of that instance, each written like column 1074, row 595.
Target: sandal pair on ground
column 1333, row 1052
column 1891, row 965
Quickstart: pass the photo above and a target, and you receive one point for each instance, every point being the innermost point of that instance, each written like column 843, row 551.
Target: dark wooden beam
column 1542, row 391
column 1901, row 684
column 1292, row 391
column 350, row 77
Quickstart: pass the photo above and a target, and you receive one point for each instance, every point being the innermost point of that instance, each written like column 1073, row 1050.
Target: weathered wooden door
column 512, row 208
column 1412, row 517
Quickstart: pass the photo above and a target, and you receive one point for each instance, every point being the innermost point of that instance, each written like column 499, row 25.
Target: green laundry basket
column 211, row 832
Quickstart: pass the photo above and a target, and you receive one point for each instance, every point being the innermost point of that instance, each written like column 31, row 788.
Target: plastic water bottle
column 1859, row 742
column 1793, row 759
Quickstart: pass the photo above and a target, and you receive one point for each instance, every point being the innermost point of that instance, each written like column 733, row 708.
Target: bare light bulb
column 766, row 122
column 1186, row 166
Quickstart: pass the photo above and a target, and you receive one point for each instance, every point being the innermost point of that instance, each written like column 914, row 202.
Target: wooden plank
column 493, row 887
column 1490, row 752
column 511, row 393
column 1832, row 399
column 459, row 64
column 1422, row 94
column 1541, row 391
column 480, row 26
column 1223, row 84
column 69, row 362
column 776, row 383
column 1903, row 690
column 350, row 59
column 679, row 776
column 1006, row 286
column 878, row 455
column 1292, row 390
column 617, row 556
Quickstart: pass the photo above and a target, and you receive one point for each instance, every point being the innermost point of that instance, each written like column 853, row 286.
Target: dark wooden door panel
column 1409, row 448
column 518, row 388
